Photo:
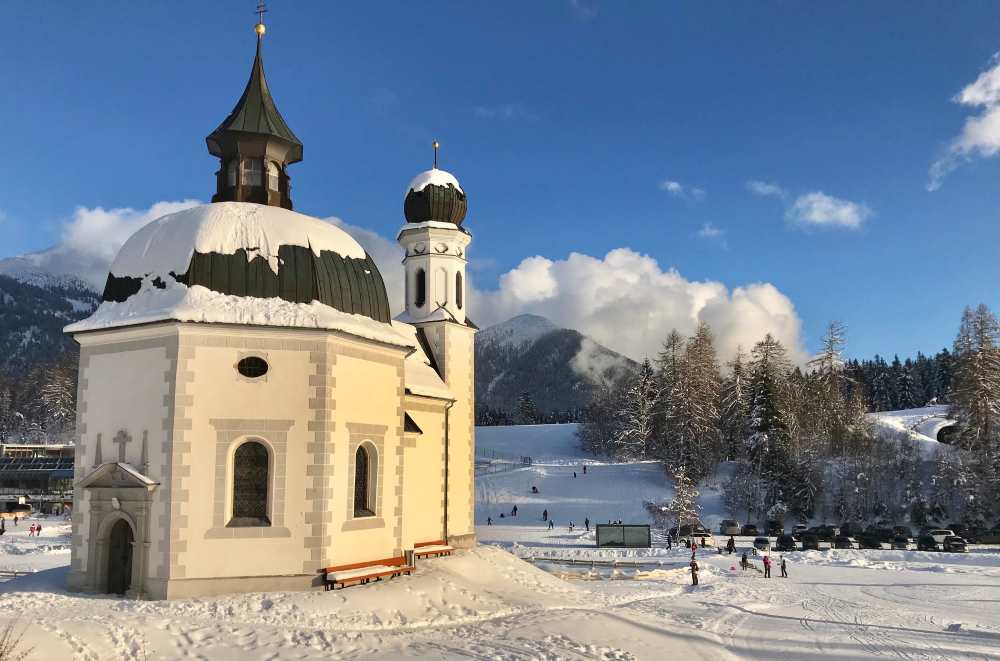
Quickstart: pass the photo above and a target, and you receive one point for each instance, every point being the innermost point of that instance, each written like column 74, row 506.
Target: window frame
column 273, row 177
column 252, row 167
column 238, row 518
column 365, row 497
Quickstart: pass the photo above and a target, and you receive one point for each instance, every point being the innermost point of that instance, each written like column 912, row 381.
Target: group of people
column 744, row 562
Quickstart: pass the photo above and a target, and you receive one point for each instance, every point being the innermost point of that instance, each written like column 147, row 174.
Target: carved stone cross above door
column 122, row 439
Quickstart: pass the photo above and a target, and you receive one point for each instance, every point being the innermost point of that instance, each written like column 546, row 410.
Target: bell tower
column 254, row 144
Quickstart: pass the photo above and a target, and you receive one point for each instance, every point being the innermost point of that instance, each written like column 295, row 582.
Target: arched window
column 272, row 175
column 232, row 170
column 251, row 172
column 251, row 468
column 421, row 288
column 458, row 290
column 364, row 469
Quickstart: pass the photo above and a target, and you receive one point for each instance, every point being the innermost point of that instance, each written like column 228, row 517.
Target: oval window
column 252, row 367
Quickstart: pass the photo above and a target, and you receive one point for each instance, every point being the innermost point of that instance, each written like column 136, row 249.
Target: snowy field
column 530, row 593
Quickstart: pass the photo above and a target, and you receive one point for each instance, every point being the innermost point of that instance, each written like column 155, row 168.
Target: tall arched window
column 421, row 297
column 364, row 469
column 232, row 170
column 272, row 175
column 252, row 172
column 458, row 290
column 251, row 468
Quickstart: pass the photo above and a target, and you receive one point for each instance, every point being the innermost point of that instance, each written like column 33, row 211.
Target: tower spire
column 436, row 146
column 260, row 28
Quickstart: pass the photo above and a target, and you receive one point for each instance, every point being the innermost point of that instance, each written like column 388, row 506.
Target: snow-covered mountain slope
column 558, row 367
column 927, row 426
column 32, row 317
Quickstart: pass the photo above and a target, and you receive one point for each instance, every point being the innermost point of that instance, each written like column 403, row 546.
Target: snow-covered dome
column 245, row 251
column 435, row 195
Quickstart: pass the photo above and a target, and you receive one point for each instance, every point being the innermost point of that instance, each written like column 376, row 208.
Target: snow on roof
column 166, row 244
column 418, row 375
column 433, row 177
column 178, row 302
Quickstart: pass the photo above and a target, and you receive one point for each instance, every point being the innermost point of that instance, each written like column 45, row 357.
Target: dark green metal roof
column 256, row 112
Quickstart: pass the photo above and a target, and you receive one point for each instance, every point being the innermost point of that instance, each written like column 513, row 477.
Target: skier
column 731, row 545
column 743, row 563
column 551, row 524
column 545, row 515
column 586, row 523
column 784, row 569
column 694, row 571
column 513, row 512
column 767, row 566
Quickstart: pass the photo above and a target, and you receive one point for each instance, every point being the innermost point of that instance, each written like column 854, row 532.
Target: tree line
column 38, row 405
column 797, row 440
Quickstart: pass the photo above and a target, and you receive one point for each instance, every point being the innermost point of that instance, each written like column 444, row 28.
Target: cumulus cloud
column 628, row 302
column 765, row 189
column 980, row 136
column 817, row 209
column 677, row 189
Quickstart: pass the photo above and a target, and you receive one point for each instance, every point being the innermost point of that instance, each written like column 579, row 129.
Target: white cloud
column 710, row 231
column 677, row 189
column 980, row 135
column 818, row 209
column 504, row 112
column 628, row 302
column 765, row 189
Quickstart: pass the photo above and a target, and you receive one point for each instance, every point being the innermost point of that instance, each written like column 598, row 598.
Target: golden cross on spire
column 436, row 146
column 259, row 28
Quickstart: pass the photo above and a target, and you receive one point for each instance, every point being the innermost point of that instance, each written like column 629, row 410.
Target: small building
column 249, row 412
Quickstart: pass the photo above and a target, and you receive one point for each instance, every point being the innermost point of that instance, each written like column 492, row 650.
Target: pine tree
column 694, row 411
column 669, row 363
column 766, row 438
column 734, row 406
column 684, row 505
column 527, row 412
column 634, row 438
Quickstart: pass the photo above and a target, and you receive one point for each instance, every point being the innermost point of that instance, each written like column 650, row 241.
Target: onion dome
column 251, row 251
column 435, row 195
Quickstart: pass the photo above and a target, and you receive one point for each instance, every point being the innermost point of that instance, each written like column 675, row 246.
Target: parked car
column 762, row 543
column 729, row 527
column 785, row 543
column 869, row 540
column 775, row 528
column 843, row 542
column 954, row 544
column 825, row 532
column 688, row 528
column 902, row 531
column 939, row 534
column 900, row 544
column 926, row 543
column 799, row 530
column 810, row 542
column 749, row 530
column 883, row 533
column 851, row 528
column 702, row 539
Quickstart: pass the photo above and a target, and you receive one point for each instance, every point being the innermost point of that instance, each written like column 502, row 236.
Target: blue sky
column 565, row 122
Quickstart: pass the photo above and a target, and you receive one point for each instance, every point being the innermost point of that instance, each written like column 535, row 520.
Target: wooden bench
column 428, row 549
column 362, row 572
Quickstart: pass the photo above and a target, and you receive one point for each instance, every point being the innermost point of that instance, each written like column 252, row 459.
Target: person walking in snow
column 694, row 571
column 571, row 526
column 585, row 469
column 767, row 566
column 784, row 568
column 545, row 515
column 574, row 475
column 586, row 523
column 534, row 489
column 731, row 545
column 489, row 521
column 513, row 512
column 668, row 541
column 31, row 530
column 551, row 524
column 743, row 563
column 38, row 530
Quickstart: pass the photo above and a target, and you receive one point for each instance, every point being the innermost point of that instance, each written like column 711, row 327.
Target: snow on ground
column 566, row 600
column 920, row 425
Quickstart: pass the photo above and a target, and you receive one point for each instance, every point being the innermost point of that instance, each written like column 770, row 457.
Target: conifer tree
column 634, row 438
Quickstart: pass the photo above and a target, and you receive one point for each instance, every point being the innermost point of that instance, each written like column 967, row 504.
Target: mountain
column 558, row 368
column 33, row 311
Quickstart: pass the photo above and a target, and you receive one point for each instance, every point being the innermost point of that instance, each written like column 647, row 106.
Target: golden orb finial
column 260, row 29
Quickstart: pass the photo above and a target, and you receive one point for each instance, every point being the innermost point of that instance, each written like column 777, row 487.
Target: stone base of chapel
column 466, row 541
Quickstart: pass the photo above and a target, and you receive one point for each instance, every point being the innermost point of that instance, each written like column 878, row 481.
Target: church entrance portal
column 120, row 557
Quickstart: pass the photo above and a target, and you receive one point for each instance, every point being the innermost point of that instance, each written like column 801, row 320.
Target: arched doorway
column 120, row 557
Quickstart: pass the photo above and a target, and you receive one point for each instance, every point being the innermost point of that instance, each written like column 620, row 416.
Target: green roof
column 255, row 112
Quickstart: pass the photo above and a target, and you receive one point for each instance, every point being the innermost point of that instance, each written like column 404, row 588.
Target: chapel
column 249, row 411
